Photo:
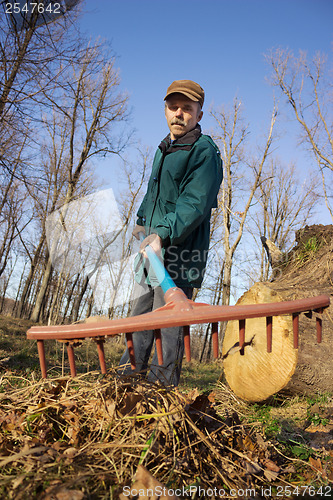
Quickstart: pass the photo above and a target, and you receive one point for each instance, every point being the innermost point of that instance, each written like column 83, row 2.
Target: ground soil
column 309, row 264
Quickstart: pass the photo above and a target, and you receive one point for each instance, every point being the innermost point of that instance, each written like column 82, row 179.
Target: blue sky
column 218, row 43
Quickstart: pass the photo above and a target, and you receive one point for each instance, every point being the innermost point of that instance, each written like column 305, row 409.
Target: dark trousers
column 172, row 342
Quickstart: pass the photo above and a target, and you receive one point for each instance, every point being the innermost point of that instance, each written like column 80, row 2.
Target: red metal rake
column 177, row 311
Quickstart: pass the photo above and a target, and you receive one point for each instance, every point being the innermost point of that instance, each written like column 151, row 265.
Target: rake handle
column 166, row 283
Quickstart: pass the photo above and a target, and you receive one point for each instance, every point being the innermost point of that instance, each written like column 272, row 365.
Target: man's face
column 181, row 114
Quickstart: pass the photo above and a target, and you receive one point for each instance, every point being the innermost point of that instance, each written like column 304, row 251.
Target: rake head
column 178, row 311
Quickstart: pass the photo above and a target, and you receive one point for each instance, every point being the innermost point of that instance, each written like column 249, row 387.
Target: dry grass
column 84, row 438
column 78, row 438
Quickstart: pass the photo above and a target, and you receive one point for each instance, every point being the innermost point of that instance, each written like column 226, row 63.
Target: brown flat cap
column 189, row 88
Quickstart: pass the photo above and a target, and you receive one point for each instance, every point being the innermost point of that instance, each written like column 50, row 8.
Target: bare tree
column 46, row 191
column 285, row 202
column 92, row 104
column 237, row 168
column 33, row 58
column 308, row 88
column 29, row 55
column 136, row 179
column 12, row 220
column 114, row 251
column 242, row 175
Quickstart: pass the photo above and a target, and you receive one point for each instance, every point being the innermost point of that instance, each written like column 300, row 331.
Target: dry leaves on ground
column 89, row 436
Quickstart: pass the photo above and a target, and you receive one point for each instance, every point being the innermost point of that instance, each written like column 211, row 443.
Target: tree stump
column 256, row 375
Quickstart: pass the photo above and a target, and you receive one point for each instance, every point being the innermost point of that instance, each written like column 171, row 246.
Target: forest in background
column 62, row 109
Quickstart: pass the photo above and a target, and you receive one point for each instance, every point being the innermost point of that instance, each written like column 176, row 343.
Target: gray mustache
column 178, row 121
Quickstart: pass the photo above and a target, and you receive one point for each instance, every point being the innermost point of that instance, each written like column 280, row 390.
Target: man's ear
column 200, row 115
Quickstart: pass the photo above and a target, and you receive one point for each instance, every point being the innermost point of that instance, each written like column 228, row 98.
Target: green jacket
column 182, row 190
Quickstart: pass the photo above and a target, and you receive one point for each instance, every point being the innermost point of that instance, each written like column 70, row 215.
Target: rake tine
column 158, row 344
column 269, row 324
column 187, row 342
column 241, row 336
column 319, row 326
column 130, row 347
column 42, row 359
column 71, row 359
column 295, row 329
column 215, row 337
column 319, row 329
column 101, row 356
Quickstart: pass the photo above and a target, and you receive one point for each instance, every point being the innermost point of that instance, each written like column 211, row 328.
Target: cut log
column 256, row 375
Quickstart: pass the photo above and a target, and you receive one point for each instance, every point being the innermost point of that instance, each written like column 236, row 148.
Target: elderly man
column 175, row 217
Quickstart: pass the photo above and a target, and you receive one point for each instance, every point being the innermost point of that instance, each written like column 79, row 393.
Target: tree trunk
column 22, row 309
column 78, row 300
column 256, row 375
column 69, row 298
column 36, row 312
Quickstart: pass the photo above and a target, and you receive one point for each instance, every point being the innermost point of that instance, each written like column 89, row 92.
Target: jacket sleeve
column 197, row 196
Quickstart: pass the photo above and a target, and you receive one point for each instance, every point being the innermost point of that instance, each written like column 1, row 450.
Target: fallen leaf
column 145, row 483
column 290, row 469
column 212, row 396
column 316, row 465
column 163, row 426
column 129, row 404
column 252, row 468
column 110, row 408
column 192, row 395
column 56, row 493
column 270, row 475
column 65, row 494
column 56, row 389
column 57, row 445
column 248, row 443
column 261, row 442
column 52, row 452
column 70, row 452
column 270, row 465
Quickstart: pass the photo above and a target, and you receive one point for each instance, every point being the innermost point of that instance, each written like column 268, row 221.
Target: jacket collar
column 185, row 142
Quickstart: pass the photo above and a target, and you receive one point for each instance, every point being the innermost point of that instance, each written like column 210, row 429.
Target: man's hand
column 137, row 230
column 154, row 241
